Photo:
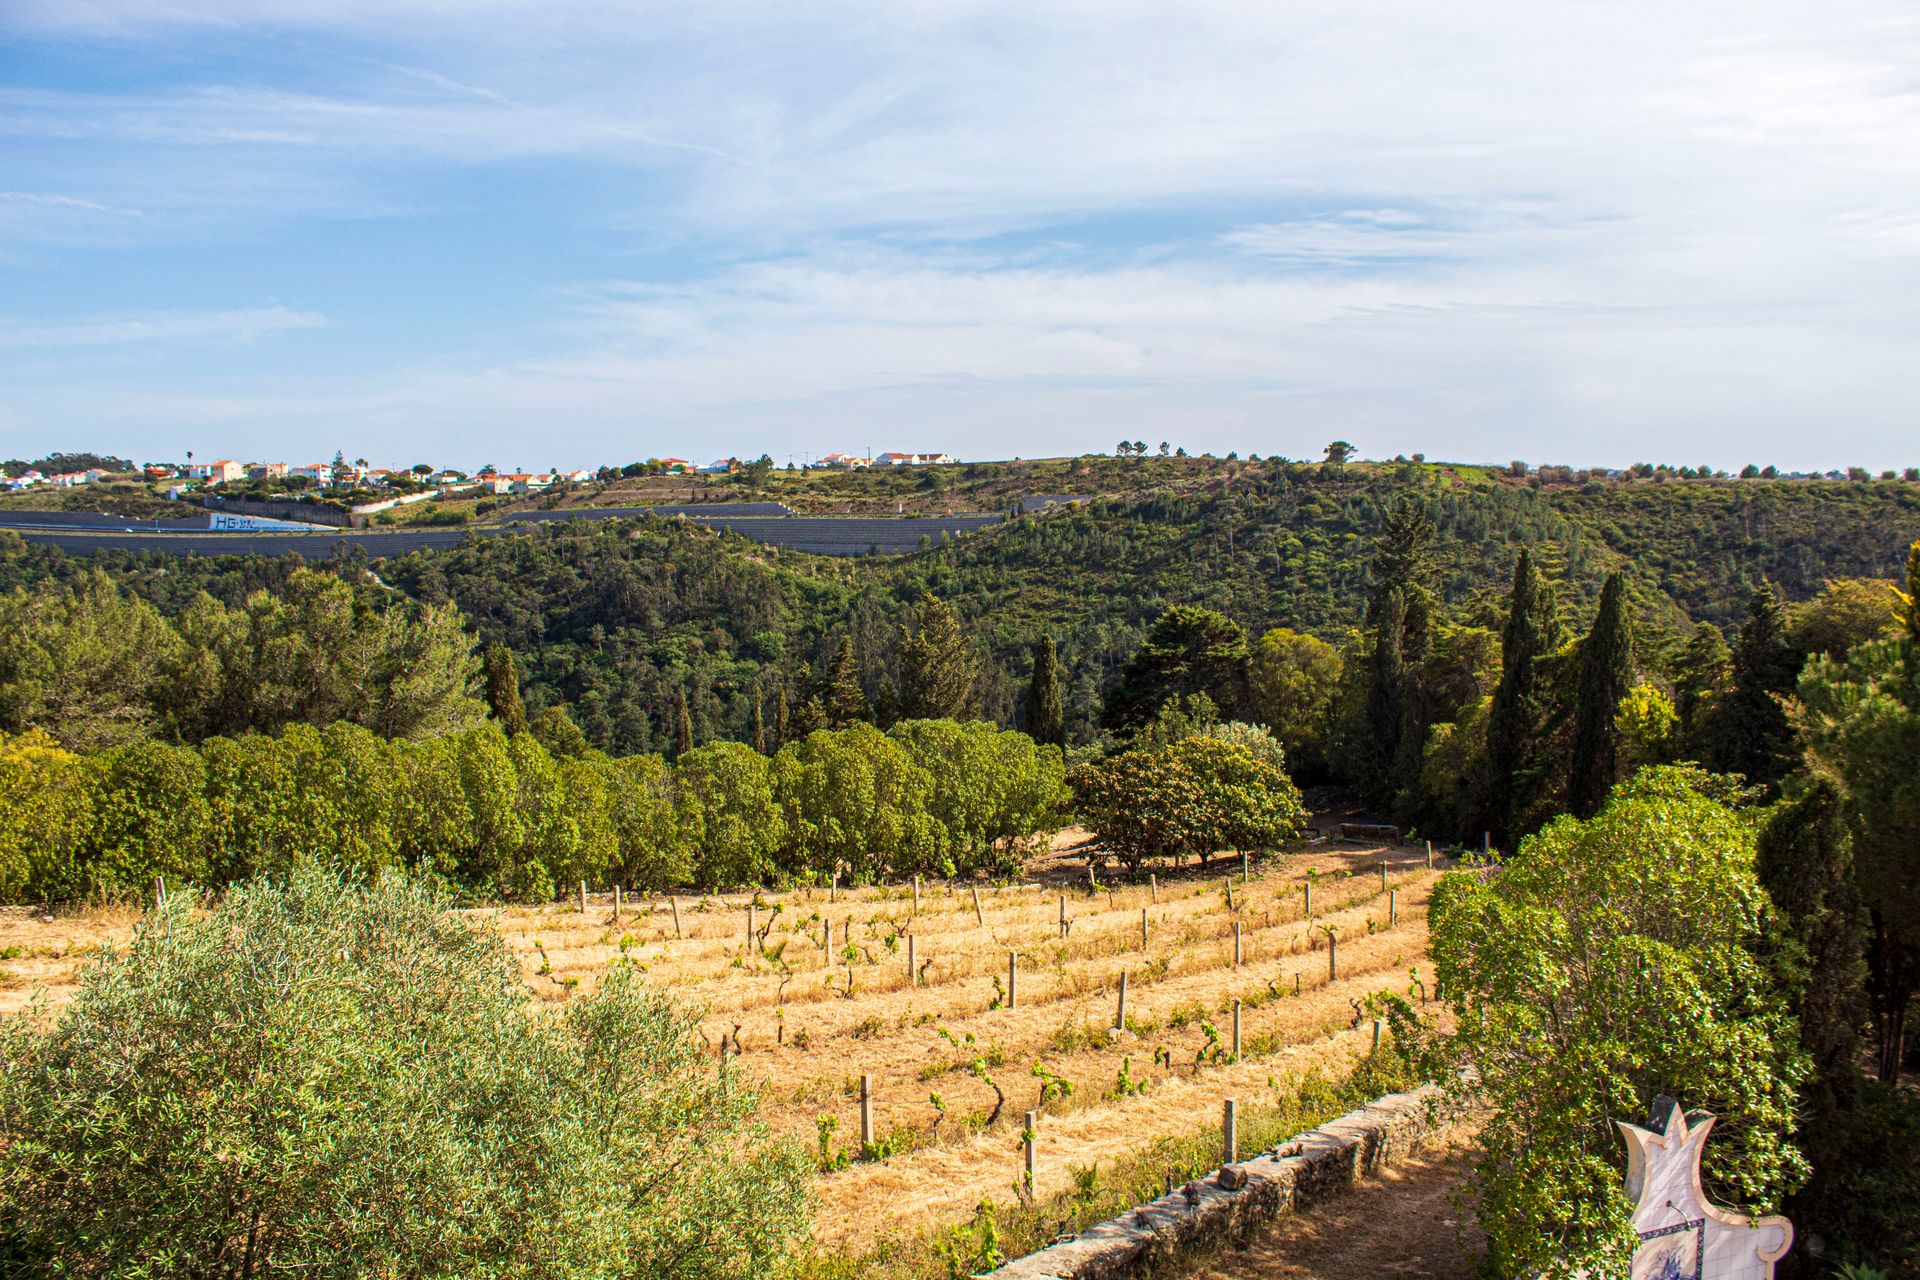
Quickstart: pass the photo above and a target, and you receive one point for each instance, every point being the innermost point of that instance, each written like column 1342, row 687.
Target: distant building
column 217, row 472
column 267, row 471
column 911, row 459
column 675, row 466
column 842, row 461
column 320, row 473
column 721, row 467
column 526, row 481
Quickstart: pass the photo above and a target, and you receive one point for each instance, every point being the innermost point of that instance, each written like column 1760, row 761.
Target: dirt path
column 1403, row 1223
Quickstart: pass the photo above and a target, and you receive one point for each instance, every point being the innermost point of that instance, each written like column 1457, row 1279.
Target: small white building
column 217, row 472
column 911, row 459
column 320, row 473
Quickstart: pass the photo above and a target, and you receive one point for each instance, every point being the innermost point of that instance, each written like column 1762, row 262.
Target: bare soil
column 1410, row 1221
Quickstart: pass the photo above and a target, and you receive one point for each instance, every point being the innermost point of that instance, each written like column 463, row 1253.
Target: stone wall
column 1241, row 1197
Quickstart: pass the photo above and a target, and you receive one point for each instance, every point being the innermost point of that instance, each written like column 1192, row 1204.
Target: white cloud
column 161, row 326
column 1630, row 228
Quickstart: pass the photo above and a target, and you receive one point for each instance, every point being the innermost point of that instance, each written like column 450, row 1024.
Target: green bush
column 322, row 1079
column 1195, row 796
column 1608, row 962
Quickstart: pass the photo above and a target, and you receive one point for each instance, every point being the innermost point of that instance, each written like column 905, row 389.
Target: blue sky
column 564, row 233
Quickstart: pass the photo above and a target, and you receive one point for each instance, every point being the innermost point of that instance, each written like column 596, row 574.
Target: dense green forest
column 618, row 621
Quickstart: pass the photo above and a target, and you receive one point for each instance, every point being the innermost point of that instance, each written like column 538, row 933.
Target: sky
column 565, row 233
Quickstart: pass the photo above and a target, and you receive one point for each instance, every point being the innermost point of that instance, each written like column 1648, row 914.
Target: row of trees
column 505, row 816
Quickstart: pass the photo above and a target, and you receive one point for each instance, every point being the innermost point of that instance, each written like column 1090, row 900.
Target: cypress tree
column 1401, row 614
column 503, row 689
column 1045, row 723
column 846, row 700
column 1751, row 736
column 1700, row 677
column 1606, row 673
column 1386, row 694
column 1514, row 718
column 682, row 726
column 1913, row 592
column 937, row 667
column 759, row 727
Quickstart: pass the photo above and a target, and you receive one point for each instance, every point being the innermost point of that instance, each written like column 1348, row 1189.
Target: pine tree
column 846, row 700
column 503, row 689
column 1513, row 721
column 1606, row 673
column 1750, row 734
column 937, row 667
column 1045, row 723
column 682, row 726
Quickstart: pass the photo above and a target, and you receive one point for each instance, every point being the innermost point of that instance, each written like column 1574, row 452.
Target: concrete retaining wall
column 302, row 512
column 1300, row 1172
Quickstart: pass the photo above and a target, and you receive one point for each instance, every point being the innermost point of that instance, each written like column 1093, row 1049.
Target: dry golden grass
column 797, row 1030
column 783, row 1003
column 42, row 951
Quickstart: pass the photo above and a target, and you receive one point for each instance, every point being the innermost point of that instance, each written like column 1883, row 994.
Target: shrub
column 1608, row 962
column 327, row 1080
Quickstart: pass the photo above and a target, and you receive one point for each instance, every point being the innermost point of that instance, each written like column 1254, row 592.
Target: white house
column 911, row 459
column 320, row 473
column 217, row 472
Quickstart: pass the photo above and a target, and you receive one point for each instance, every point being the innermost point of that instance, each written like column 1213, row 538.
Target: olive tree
column 329, row 1080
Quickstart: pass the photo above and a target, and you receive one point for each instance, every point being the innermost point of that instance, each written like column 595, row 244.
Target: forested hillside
column 618, row 620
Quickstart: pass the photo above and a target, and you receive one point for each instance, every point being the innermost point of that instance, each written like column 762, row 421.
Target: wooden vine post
column 866, row 1113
